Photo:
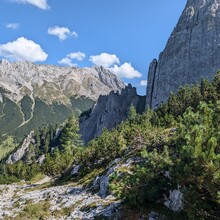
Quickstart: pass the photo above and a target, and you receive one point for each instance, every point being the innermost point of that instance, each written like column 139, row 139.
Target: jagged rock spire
column 192, row 51
column 109, row 111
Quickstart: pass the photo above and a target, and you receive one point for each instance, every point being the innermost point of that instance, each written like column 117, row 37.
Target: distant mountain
column 32, row 95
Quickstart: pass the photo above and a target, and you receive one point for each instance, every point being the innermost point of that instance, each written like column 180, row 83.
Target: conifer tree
column 70, row 138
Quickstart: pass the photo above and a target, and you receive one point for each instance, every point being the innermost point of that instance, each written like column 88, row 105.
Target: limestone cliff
column 192, row 51
column 109, row 111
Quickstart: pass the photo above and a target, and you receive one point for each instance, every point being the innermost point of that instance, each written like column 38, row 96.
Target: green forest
column 177, row 146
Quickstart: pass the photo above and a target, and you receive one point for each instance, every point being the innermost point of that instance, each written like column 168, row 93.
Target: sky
column 122, row 35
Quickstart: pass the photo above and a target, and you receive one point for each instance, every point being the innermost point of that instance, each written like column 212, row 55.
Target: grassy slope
column 11, row 116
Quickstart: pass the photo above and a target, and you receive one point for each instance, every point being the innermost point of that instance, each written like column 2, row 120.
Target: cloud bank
column 23, row 49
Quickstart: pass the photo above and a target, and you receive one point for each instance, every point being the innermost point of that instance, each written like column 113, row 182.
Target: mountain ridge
column 109, row 111
column 24, row 78
column 34, row 94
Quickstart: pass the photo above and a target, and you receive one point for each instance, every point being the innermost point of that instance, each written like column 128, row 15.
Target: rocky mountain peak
column 4, row 62
column 55, row 83
column 32, row 95
column 198, row 10
column 192, row 51
column 109, row 111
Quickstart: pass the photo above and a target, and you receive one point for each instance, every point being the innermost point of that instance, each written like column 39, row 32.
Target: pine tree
column 70, row 138
column 132, row 114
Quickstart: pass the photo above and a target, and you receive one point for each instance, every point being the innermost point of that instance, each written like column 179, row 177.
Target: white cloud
column 78, row 56
column 13, row 26
column 105, row 60
column 125, row 71
column 143, row 82
column 68, row 60
column 23, row 49
column 42, row 4
column 110, row 61
column 61, row 32
column 74, row 34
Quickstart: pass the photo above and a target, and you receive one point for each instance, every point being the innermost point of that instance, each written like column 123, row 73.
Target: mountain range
column 32, row 95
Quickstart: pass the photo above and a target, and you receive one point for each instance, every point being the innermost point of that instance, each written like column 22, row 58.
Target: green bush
column 198, row 160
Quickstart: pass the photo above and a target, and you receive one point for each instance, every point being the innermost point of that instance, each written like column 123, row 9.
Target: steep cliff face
column 32, row 95
column 109, row 111
column 192, row 51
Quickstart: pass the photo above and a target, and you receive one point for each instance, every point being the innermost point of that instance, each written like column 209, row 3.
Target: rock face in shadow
column 192, row 52
column 109, row 111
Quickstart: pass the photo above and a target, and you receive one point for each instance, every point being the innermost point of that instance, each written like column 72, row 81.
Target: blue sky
column 123, row 35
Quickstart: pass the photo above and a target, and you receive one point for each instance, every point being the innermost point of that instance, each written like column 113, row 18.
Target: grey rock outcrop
column 101, row 183
column 192, row 52
column 108, row 112
column 75, row 170
column 153, row 216
column 22, row 150
column 41, row 159
column 81, row 203
column 175, row 201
